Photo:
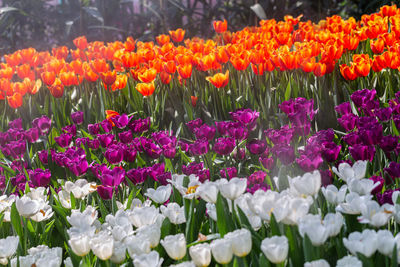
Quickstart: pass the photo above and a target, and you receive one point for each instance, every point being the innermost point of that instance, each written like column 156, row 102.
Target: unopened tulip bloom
column 151, row 232
column 146, row 260
column 275, row 248
column 333, row 195
column 308, row 184
column 317, row 263
column 159, row 195
column 312, row 226
column 136, row 246
column 346, row 172
column 208, row 191
column 386, row 242
column 175, row 246
column 333, row 222
column 102, row 245
column 79, row 244
column 241, row 241
column 8, row 246
column 233, row 188
column 222, row 250
column 141, row 216
column 174, row 213
column 349, row 261
column 364, row 242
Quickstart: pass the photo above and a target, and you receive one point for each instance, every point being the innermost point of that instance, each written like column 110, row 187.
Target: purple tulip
column 247, row 117
column 183, row 145
column 267, row 162
column 112, row 177
column 77, row 117
column 15, row 124
column 343, row 109
column 352, row 139
column 377, row 179
column 93, row 144
column 106, row 125
column 284, row 153
column 257, row 177
column 105, row 139
column 40, row 177
column 125, row 137
column 199, row 147
column 348, row 122
column 69, row 129
column 169, row 151
column 129, row 154
column 383, row 114
column 139, row 125
column 224, row 145
column 229, row 172
column 330, row 151
column 137, row 176
column 386, row 197
column 192, row 168
column 361, row 97
column 32, row 135
column 326, row 177
column 78, row 166
column 393, row 170
column 239, row 154
column 256, row 146
column 309, row 162
column 256, row 187
column 362, row 152
column 205, row 132
column 372, row 135
column 94, row 128
column 121, row 121
column 237, row 130
column 203, row 175
column 389, row 143
column 43, row 124
column 105, row 192
column 152, row 150
column 43, row 156
column 283, row 136
column 192, row 125
column 114, row 154
column 64, row 140
column 222, row 126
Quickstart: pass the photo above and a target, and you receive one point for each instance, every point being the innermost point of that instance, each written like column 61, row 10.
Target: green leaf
column 288, row 91
column 16, row 221
column 224, row 218
column 394, row 256
column 307, row 248
column 367, row 262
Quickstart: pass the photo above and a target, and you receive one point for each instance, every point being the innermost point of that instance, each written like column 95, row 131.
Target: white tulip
column 200, row 254
column 386, row 242
column 25, row 261
column 119, row 253
column 151, row 259
column 333, row 222
column 136, row 246
column 8, row 246
column 222, row 250
column 44, row 214
column 184, row 264
column 263, row 202
column 80, row 188
column 152, row 233
column 5, row 206
column 233, row 188
column 174, row 213
column 241, row 241
column 208, row 191
column 159, row 195
column 317, row 263
column 27, row 207
column 333, row 195
column 362, row 186
column 79, row 244
column 364, row 243
column 188, row 191
column 175, row 246
column 212, row 211
column 275, row 248
column 141, row 216
column 374, row 214
column 102, row 245
column 353, row 204
column 349, row 261
column 308, row 184
column 346, row 172
column 311, row 225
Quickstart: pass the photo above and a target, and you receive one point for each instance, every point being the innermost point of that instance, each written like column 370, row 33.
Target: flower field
column 276, row 145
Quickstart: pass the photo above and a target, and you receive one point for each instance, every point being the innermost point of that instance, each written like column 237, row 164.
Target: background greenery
column 43, row 24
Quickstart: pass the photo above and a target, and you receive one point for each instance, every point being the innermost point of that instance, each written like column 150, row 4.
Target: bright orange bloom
column 48, row 77
column 146, row 89
column 6, row 72
column 80, row 42
column 348, row 72
column 89, row 74
column 5, row 88
column 20, row 87
column 147, row 75
column 220, row 26
column 362, row 68
column 351, row 43
column 162, row 39
column 36, row 87
column 15, row 101
column 377, row 46
column 130, row 60
column 320, row 69
column 221, row 55
column 193, row 100
column 129, row 44
column 240, row 62
column 308, row 65
column 120, row 82
column 27, row 55
column 77, row 66
column 108, row 77
column 165, row 77
column 169, row 67
column 68, row 78
column 177, row 35
column 25, row 71
column 99, row 65
column 258, row 69
column 110, row 114
column 60, row 52
column 388, row 11
column 219, row 80
column 57, row 89
column 13, row 59
column 185, row 71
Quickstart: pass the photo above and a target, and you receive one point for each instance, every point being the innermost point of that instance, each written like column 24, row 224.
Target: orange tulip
column 19, row 87
column 110, row 114
column 221, row 55
column 36, row 87
column 320, row 69
column 89, row 74
column 147, row 75
column 162, row 39
column 240, row 62
column 13, row 59
column 130, row 60
column 108, row 77
column 120, row 82
column 165, row 77
column 60, row 52
column 25, row 71
column 177, row 35
column 308, row 65
column 68, row 78
column 27, row 55
column 76, row 66
column 15, row 101
column 219, row 80
column 146, row 89
column 348, row 72
column 5, row 87
column 362, row 68
column 80, row 42
column 6, row 73
column 129, row 44
column 99, row 65
column 193, row 100
column 169, row 67
column 48, row 77
column 258, row 69
column 185, row 71
column 57, row 88
column 220, row 26
column 377, row 46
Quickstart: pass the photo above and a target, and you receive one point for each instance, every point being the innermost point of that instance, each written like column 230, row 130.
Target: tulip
column 219, row 80
column 8, row 246
column 364, row 243
column 220, row 26
column 333, row 195
column 175, row 246
column 200, row 254
column 80, row 244
column 208, row 191
column 136, row 246
column 222, row 250
column 174, row 213
column 152, row 233
column 317, row 263
column 349, row 261
column 102, row 245
column 233, row 188
column 145, row 260
column 241, row 241
column 346, row 172
column 308, row 184
column 275, row 248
